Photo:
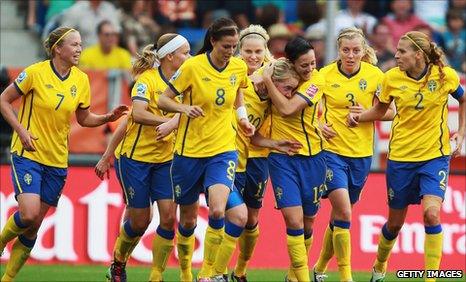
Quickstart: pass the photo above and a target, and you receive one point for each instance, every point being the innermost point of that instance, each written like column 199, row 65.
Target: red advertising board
column 83, row 228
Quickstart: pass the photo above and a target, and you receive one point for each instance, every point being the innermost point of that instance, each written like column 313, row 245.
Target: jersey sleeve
column 24, row 82
column 244, row 76
column 85, row 96
column 182, row 79
column 312, row 90
column 141, row 89
column 454, row 86
column 384, row 95
column 379, row 82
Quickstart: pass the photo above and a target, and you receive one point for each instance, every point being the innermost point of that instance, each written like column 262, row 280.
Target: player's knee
column 431, row 217
column 168, row 221
column 216, row 213
column 344, row 215
column 394, row 227
column 188, row 223
column 140, row 225
column 240, row 218
column 30, row 218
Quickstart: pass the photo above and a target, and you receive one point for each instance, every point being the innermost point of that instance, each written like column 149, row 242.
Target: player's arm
column 86, row 118
column 167, row 127
column 142, row 116
column 289, row 147
column 167, row 103
column 103, row 165
column 8, row 96
column 284, row 106
column 377, row 112
column 242, row 114
column 458, row 137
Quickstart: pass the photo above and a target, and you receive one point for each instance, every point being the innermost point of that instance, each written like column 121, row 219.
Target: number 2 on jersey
column 419, row 97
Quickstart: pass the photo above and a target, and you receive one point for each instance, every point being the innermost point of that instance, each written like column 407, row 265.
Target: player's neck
column 167, row 70
column 418, row 71
column 61, row 67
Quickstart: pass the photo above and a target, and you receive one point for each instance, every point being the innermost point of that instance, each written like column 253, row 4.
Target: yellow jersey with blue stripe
column 258, row 114
column 341, row 92
column 47, row 106
column 302, row 126
column 214, row 90
column 140, row 142
column 419, row 131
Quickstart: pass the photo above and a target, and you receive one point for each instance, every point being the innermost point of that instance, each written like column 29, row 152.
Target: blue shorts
column 32, row 177
column 192, row 176
column 348, row 173
column 408, row 182
column 143, row 183
column 253, row 181
column 298, row 181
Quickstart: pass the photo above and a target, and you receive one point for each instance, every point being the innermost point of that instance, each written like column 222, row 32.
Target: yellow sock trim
column 326, row 253
column 18, row 257
column 433, row 251
column 185, row 247
column 225, row 253
column 212, row 241
column 161, row 250
column 247, row 243
column 298, row 257
column 342, row 247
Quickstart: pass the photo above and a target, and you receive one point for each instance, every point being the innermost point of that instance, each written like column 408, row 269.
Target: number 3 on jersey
column 220, row 100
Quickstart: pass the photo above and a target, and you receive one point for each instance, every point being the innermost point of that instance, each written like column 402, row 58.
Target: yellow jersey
column 214, row 90
column 419, row 131
column 140, row 142
column 258, row 112
column 47, row 105
column 93, row 58
column 302, row 126
column 341, row 92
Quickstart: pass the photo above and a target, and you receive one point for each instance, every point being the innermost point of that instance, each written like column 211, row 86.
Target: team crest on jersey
column 27, row 179
column 312, row 91
column 177, row 191
column 141, row 89
column 22, row 76
column 329, row 175
column 175, row 75
column 432, row 85
column 278, row 193
column 73, row 91
column 362, row 84
column 233, row 79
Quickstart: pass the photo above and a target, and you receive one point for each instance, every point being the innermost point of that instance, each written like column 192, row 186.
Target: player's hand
column 289, row 147
column 356, row 109
column 259, row 84
column 103, row 167
column 327, row 131
column 459, row 140
column 352, row 119
column 27, row 139
column 194, row 111
column 164, row 130
column 116, row 113
column 268, row 71
column 247, row 127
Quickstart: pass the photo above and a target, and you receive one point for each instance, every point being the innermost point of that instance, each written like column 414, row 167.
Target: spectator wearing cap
column 106, row 54
column 279, row 36
column 317, row 39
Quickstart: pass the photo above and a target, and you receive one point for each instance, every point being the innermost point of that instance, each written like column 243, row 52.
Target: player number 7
column 61, row 97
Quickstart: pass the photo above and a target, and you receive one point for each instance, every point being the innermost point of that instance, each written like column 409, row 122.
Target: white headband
column 171, row 46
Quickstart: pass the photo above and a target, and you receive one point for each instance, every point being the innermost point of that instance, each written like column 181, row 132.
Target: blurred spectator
column 381, row 41
column 353, row 15
column 179, row 13
column 309, row 12
column 431, row 33
column 401, row 20
column 138, row 27
column 455, row 40
column 85, row 15
column 269, row 15
column 459, row 5
column 279, row 36
column 317, row 40
column 56, row 7
column 106, row 54
column 242, row 13
column 432, row 12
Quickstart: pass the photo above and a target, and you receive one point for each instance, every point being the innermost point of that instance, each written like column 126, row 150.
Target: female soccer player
column 298, row 181
column 51, row 91
column 419, row 149
column 143, row 165
column 211, row 85
column 352, row 82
